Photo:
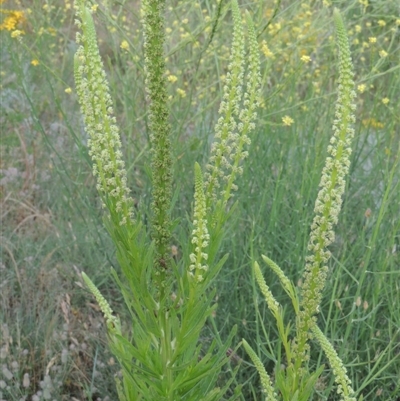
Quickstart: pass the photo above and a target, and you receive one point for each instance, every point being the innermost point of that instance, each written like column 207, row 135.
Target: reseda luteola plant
column 158, row 349
column 296, row 382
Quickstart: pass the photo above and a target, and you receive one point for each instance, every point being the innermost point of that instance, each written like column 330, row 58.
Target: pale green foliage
column 297, row 381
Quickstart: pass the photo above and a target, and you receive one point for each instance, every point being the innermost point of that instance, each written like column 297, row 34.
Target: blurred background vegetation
column 53, row 344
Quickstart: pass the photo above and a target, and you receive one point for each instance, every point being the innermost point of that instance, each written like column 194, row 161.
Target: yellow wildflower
column 288, row 121
column 305, row 59
column 8, row 24
column 358, row 28
column 383, row 53
column 265, row 49
column 181, row 92
column 17, row 33
column 11, row 22
column 361, row 88
column 68, row 90
column 372, row 39
column 372, row 122
column 172, row 78
column 124, row 45
column 381, row 22
column 385, row 100
column 35, row 62
column 269, row 12
column 94, row 7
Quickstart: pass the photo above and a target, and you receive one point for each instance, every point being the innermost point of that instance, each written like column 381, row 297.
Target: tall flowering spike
column 264, row 377
column 226, row 136
column 113, row 322
column 154, row 37
column 96, row 106
column 200, row 236
column 332, row 186
column 237, row 113
column 248, row 112
column 344, row 383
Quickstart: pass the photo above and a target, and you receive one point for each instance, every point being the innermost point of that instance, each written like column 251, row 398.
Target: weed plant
column 159, row 350
column 294, row 380
column 52, row 342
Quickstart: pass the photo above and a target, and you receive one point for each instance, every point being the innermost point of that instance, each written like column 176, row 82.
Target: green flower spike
column 339, row 371
column 113, row 322
column 248, row 114
column 225, row 138
column 265, row 379
column 286, row 283
column 97, row 108
column 200, row 236
column 154, row 37
column 237, row 117
column 272, row 303
column 329, row 199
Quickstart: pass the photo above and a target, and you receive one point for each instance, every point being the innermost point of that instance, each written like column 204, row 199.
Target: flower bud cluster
column 344, row 383
column 272, row 303
column 226, row 136
column 266, row 382
column 112, row 321
column 332, row 186
column 200, row 236
column 236, row 116
column 247, row 114
column 97, row 108
column 155, row 83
